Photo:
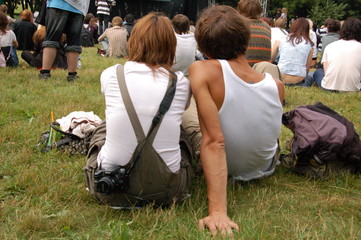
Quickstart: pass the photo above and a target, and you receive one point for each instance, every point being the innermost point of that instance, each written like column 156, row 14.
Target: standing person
column 103, row 12
column 63, row 16
column 117, row 39
column 295, row 51
column 239, row 136
column 147, row 76
column 7, row 40
column 24, row 31
column 259, row 47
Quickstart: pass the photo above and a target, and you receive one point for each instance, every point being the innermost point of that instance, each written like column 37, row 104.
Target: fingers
column 214, row 225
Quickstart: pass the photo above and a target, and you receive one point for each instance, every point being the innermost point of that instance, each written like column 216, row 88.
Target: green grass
column 42, row 196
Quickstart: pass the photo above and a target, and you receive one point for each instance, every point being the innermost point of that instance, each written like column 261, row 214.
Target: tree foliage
column 327, row 9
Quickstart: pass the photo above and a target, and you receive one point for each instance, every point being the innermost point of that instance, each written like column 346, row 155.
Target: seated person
column 259, row 47
column 35, row 58
column 90, row 23
column 239, row 111
column 116, row 38
column 7, row 40
column 129, row 23
column 186, row 52
column 24, row 30
column 295, row 51
column 333, row 27
column 342, row 60
column 147, row 74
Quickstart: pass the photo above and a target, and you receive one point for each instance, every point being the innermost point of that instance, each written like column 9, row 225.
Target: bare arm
column 275, row 50
column 213, row 155
column 309, row 61
column 15, row 43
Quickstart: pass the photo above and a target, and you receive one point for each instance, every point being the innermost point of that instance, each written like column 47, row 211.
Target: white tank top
column 251, row 122
column 146, row 91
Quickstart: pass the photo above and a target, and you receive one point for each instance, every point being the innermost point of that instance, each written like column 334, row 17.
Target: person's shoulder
column 205, row 70
column 110, row 70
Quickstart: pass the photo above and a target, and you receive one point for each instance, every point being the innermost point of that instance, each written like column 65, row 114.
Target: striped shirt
column 259, row 47
column 104, row 6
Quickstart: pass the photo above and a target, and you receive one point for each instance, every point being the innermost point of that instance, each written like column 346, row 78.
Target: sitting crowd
column 225, row 118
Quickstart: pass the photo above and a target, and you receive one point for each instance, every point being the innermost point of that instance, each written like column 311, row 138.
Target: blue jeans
column 318, row 76
column 59, row 21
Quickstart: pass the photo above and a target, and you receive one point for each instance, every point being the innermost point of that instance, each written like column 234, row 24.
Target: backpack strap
column 138, row 130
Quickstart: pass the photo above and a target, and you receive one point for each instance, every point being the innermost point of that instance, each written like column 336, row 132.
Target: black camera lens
column 105, row 185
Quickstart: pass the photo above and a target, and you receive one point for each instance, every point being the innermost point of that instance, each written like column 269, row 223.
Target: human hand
column 218, row 222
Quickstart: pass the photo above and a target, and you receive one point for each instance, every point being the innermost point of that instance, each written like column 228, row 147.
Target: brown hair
column 3, row 8
column 222, row 33
column 300, row 30
column 153, row 41
column 351, row 29
column 3, row 21
column 250, row 8
column 180, row 23
column 27, row 15
column 332, row 25
column 39, row 35
column 117, row 21
column 280, row 23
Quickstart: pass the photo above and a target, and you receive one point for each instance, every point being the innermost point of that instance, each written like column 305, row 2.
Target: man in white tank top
column 239, row 111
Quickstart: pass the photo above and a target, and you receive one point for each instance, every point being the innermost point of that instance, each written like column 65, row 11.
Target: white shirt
column 277, row 34
column 343, row 59
column 185, row 53
column 146, row 91
column 7, row 39
column 251, row 123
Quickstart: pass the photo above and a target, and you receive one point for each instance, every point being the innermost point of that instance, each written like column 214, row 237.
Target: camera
column 107, row 182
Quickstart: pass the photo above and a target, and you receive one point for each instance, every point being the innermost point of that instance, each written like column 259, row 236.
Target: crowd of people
column 205, row 73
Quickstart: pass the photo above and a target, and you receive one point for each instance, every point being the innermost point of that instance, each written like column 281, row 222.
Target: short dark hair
column 222, row 33
column 351, row 29
column 250, row 8
column 129, row 18
column 333, row 25
column 3, row 21
column 88, row 17
column 180, row 23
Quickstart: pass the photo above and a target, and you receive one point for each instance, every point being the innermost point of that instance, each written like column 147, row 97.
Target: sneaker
column 44, row 75
column 71, row 78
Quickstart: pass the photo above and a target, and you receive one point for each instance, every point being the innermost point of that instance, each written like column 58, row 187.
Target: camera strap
column 163, row 108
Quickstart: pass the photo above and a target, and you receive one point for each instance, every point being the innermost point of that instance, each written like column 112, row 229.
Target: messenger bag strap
column 138, row 130
column 163, row 107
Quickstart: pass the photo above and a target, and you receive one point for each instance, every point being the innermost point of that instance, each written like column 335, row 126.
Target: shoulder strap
column 139, row 133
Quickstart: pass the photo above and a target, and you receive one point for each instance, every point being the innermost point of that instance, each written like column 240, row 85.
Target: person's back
column 342, row 59
column 333, row 26
column 186, row 44
column 250, row 128
column 129, row 23
column 147, row 77
column 24, row 31
column 117, row 38
column 230, row 96
column 259, row 47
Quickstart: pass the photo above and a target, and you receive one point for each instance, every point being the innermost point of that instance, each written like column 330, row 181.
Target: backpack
column 86, row 38
column 324, row 142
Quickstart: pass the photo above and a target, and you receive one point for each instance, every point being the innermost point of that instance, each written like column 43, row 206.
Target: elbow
column 214, row 143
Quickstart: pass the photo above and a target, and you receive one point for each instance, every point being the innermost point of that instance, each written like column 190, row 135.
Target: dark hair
column 180, row 23
column 222, row 33
column 88, row 17
column 129, row 18
column 351, row 29
column 3, row 21
column 250, row 8
column 333, row 25
column 300, row 29
column 3, row 8
column 153, row 41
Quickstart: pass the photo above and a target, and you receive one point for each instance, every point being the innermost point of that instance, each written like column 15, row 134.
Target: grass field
column 42, row 196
